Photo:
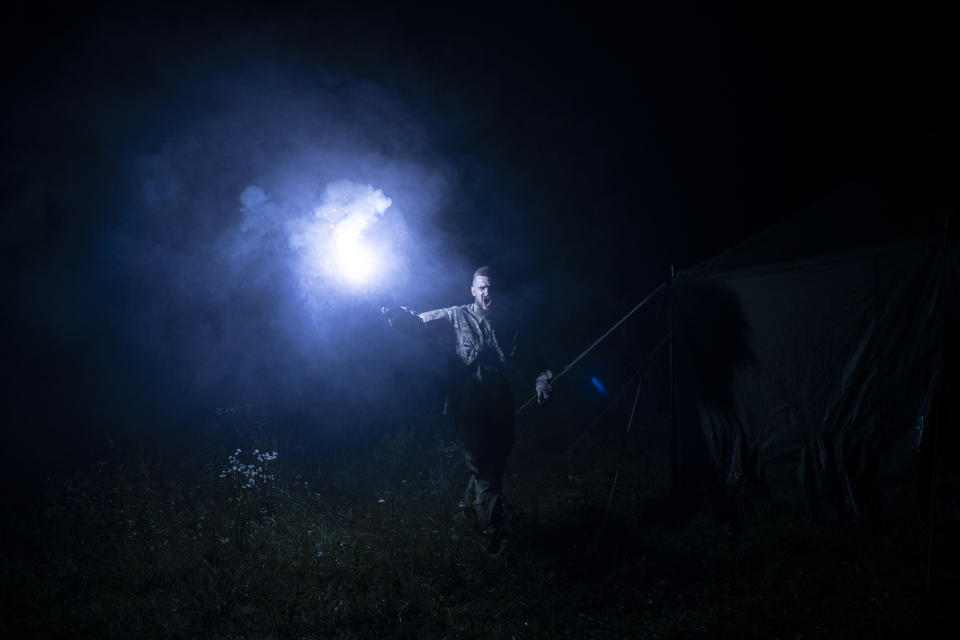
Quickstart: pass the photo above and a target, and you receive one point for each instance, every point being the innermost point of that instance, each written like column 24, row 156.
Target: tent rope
column 623, row 452
column 616, row 398
column 595, row 343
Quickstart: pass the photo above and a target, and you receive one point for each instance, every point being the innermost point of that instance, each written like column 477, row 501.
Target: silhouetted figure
column 478, row 397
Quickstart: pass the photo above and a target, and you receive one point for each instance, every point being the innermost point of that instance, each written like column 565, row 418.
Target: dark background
column 581, row 151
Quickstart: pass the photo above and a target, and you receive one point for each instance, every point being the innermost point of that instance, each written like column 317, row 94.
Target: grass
column 374, row 546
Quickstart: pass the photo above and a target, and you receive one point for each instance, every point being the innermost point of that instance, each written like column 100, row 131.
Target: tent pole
column 671, row 386
column 939, row 402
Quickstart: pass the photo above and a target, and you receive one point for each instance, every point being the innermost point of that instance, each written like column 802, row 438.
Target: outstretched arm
column 412, row 324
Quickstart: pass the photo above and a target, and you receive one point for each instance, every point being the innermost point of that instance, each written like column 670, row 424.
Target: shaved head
column 481, row 289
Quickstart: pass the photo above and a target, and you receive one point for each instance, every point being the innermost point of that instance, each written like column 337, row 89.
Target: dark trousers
column 485, row 426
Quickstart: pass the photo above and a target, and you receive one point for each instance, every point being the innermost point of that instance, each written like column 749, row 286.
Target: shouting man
column 478, row 396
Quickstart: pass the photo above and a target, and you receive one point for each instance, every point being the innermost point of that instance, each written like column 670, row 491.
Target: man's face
column 482, row 292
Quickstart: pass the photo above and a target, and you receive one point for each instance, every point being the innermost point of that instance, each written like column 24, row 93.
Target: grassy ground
column 375, row 547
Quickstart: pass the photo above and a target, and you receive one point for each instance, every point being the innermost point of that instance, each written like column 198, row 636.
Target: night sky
column 580, row 151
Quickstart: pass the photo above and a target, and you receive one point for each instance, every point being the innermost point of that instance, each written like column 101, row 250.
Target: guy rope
column 595, row 343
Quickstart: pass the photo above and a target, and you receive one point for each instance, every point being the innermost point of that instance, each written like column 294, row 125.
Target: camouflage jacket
column 478, row 352
column 479, row 363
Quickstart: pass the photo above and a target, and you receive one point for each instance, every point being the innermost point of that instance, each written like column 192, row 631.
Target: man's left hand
column 544, row 388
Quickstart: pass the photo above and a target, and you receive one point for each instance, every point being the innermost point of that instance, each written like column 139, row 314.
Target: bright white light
column 357, row 263
column 337, row 248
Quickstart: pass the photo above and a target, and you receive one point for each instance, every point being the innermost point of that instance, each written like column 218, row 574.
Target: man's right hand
column 403, row 319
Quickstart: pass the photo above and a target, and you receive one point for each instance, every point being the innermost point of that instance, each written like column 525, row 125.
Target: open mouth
column 487, row 300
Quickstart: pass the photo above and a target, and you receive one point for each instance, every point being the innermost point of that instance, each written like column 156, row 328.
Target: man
column 478, row 396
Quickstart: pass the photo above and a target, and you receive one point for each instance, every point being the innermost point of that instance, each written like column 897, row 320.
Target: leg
column 486, row 437
column 486, row 485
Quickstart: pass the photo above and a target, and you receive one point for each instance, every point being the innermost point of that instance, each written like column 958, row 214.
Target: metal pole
column 939, row 402
column 671, row 386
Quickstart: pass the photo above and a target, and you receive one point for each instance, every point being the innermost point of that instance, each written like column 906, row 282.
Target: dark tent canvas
column 815, row 362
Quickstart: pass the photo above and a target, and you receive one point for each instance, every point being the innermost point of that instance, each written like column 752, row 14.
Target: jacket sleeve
column 416, row 325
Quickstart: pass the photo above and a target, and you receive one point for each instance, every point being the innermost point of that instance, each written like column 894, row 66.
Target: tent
column 817, row 362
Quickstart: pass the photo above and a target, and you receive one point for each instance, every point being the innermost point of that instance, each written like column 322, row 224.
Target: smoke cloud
column 233, row 234
column 350, row 208
column 332, row 243
column 199, row 264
